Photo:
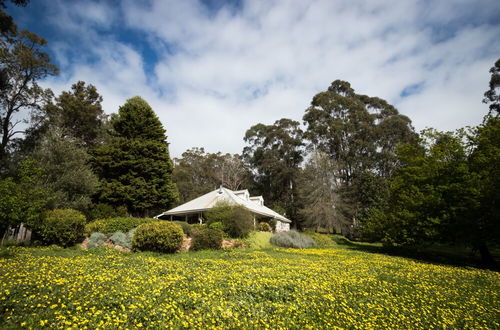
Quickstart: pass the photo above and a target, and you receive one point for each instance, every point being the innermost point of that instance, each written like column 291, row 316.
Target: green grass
column 282, row 288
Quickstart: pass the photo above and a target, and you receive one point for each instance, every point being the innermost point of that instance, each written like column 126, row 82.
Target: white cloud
column 220, row 72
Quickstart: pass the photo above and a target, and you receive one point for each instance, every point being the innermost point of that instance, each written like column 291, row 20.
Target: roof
column 240, row 197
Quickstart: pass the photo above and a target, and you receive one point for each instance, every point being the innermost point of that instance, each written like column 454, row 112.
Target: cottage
column 193, row 210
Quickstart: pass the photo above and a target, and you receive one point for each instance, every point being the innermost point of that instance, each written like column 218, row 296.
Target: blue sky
column 211, row 69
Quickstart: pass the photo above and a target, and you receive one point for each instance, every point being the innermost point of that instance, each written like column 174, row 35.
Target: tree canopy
column 135, row 168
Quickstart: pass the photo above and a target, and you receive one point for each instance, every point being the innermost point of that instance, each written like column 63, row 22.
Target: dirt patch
column 186, row 244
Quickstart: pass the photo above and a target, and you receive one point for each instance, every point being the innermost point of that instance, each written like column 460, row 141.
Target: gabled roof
column 207, row 201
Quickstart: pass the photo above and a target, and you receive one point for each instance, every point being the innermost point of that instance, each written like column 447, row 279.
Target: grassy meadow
column 269, row 288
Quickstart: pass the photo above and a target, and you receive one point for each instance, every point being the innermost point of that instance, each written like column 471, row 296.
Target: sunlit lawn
column 318, row 288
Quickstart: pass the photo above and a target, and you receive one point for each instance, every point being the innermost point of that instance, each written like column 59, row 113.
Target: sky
column 212, row 69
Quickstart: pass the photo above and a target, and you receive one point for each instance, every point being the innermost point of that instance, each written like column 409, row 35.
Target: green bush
column 97, row 226
column 97, row 239
column 217, row 225
column 221, row 210
column 321, row 239
column 186, row 227
column 121, row 239
column 108, row 226
column 237, row 221
column 258, row 240
column 206, row 238
column 64, row 227
column 292, row 239
column 264, row 226
column 158, row 236
column 239, row 224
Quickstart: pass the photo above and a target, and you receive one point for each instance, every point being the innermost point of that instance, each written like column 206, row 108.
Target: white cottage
column 196, row 207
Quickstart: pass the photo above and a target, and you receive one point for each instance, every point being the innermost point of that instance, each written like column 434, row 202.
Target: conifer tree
column 135, row 168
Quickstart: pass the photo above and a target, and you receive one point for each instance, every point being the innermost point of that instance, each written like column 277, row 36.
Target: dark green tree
column 275, row 152
column 483, row 226
column 135, row 168
column 78, row 113
column 360, row 134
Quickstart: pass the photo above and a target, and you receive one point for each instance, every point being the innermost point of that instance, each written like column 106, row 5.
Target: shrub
column 236, row 220
column 108, row 226
column 258, row 240
column 124, row 224
column 292, row 239
column 97, row 226
column 321, row 239
column 64, row 227
column 158, row 236
column 217, row 225
column 186, row 227
column 97, row 239
column 239, row 224
column 121, row 239
column 206, row 238
column 222, row 210
column 264, row 226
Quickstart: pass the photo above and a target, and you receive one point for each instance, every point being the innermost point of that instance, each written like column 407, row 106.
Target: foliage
column 258, row 240
column 66, row 171
column 121, row 239
column 63, row 227
column 275, row 153
column 206, row 238
column 95, row 226
column 78, row 113
column 319, row 192
column 23, row 199
column 222, row 210
column 97, row 239
column 186, row 227
column 106, row 211
column 321, row 240
column 123, row 224
column 359, row 134
column 23, row 64
column 492, row 96
column 431, row 195
column 239, row 223
column 198, row 173
column 317, row 288
column 264, row 226
column 217, row 225
column 292, row 239
column 158, row 236
column 135, row 168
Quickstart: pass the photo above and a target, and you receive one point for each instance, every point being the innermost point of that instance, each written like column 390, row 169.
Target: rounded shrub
column 64, row 227
column 264, row 226
column 97, row 239
column 292, row 239
column 217, row 225
column 321, row 239
column 204, row 238
column 239, row 223
column 97, row 226
column 158, row 236
column 124, row 224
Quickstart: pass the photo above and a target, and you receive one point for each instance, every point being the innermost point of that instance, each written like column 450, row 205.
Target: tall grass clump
column 292, row 239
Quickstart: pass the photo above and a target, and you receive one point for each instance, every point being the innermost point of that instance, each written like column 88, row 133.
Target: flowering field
column 320, row 288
